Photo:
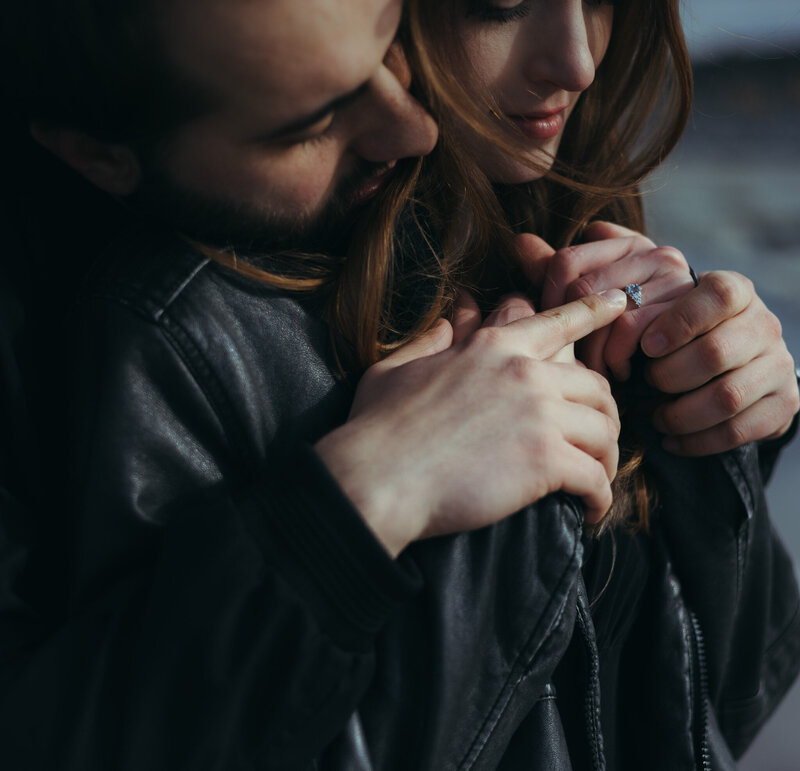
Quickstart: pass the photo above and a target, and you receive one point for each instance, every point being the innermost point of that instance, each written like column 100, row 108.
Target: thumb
column 437, row 339
column 534, row 254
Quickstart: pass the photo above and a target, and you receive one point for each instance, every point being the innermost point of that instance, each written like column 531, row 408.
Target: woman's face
column 535, row 57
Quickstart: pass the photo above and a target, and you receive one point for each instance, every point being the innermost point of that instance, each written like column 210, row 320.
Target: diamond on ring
column 634, row 291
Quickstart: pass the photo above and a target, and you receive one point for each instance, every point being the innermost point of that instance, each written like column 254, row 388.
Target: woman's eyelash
column 484, row 11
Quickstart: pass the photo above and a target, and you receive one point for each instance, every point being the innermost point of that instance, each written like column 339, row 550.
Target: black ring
column 693, row 275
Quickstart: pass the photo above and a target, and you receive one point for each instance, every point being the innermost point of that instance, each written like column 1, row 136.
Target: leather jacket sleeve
column 205, row 624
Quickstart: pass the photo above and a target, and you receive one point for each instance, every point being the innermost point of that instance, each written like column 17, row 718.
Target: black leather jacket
column 202, row 596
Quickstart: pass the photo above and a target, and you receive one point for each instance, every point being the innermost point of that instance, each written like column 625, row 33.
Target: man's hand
column 722, row 349
column 450, row 436
column 718, row 337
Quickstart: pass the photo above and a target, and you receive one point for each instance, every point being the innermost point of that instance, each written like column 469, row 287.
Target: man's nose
column 392, row 124
column 562, row 53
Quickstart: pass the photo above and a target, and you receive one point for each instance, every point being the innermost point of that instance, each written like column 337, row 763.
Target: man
column 225, row 604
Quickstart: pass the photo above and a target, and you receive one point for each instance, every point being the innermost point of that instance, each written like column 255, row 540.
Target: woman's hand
column 716, row 345
column 449, row 436
column 721, row 350
column 612, row 256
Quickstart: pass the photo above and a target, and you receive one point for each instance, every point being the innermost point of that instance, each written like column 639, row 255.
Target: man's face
column 309, row 113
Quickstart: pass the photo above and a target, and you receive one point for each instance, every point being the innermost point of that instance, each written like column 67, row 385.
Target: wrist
column 371, row 491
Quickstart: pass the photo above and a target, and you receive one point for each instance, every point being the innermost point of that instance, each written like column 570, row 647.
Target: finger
column 590, row 349
column 599, row 230
column 511, row 308
column 715, row 402
column 466, row 316
column 585, row 477
column 534, row 255
column 718, row 296
column 745, row 427
column 568, row 266
column 591, row 431
column 622, row 339
column 579, row 385
column 661, row 273
column 727, row 396
column 547, row 332
column 729, row 346
column 437, row 339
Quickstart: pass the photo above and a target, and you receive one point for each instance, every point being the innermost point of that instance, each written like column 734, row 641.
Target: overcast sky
column 741, row 25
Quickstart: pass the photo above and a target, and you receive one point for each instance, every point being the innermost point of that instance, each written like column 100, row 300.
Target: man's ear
column 111, row 167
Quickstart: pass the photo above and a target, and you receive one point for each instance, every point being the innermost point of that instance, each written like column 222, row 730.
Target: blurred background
column 729, row 197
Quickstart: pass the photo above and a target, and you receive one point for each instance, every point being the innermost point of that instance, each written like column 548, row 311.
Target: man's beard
column 232, row 225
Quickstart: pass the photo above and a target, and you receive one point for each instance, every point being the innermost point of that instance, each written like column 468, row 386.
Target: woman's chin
column 511, row 171
column 515, row 173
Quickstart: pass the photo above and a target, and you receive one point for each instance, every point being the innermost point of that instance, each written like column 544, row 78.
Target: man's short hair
column 98, row 66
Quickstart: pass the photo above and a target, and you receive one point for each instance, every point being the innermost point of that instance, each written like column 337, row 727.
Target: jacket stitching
column 509, row 688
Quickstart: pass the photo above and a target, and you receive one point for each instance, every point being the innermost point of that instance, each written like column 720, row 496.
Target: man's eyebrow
column 300, row 124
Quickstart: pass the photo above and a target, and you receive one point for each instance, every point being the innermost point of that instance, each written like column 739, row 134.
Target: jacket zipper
column 702, row 752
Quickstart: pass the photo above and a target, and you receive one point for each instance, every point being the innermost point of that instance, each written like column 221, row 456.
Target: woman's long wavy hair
column 448, row 215
column 622, row 127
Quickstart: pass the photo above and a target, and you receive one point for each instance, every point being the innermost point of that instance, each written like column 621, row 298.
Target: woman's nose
column 561, row 53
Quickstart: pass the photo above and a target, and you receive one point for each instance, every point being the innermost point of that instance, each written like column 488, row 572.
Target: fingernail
column 654, row 344
column 615, row 297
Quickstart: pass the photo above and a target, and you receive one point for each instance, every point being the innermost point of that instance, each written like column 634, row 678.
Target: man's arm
column 200, row 624
column 216, row 613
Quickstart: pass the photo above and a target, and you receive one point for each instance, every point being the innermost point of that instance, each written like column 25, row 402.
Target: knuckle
column 682, row 323
column 729, row 289
column 729, row 397
column 772, row 326
column 486, row 337
column 640, row 242
column 581, row 287
column 537, row 446
column 671, row 258
column 734, row 433
column 562, row 266
column 672, row 422
column 717, row 352
column 520, row 368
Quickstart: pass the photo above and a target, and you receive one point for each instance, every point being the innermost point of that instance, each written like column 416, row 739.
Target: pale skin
column 468, row 424
column 722, row 354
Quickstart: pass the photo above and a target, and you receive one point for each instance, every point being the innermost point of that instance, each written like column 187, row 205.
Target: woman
column 551, row 114
column 560, row 96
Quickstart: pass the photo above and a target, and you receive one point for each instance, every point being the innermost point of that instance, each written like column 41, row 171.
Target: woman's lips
column 540, row 126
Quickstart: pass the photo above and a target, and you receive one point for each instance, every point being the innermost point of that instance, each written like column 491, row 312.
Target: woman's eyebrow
column 299, row 124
